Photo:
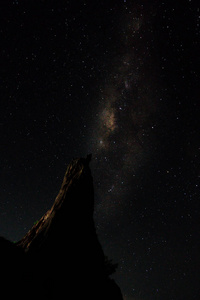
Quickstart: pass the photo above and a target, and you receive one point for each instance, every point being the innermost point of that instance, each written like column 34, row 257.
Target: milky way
column 125, row 118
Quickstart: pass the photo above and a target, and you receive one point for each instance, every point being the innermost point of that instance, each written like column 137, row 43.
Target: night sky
column 118, row 79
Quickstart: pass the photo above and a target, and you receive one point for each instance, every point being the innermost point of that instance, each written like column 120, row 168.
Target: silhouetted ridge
column 61, row 257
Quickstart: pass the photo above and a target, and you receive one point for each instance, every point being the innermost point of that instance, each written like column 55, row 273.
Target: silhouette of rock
column 61, row 257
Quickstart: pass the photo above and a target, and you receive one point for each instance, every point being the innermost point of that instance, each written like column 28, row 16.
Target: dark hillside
column 61, row 255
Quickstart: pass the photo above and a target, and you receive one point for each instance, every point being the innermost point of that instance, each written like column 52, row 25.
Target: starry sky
column 117, row 79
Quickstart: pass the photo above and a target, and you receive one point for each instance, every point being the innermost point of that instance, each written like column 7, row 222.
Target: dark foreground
column 60, row 257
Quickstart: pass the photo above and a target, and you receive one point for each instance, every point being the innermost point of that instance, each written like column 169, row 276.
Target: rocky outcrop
column 61, row 257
